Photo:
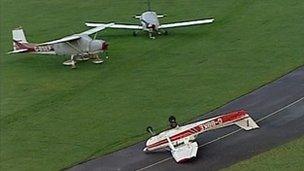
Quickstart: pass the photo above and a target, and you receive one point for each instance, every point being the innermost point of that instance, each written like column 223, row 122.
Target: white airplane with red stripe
column 78, row 46
column 180, row 139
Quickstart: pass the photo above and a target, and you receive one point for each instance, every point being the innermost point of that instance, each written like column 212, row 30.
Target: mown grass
column 286, row 157
column 53, row 117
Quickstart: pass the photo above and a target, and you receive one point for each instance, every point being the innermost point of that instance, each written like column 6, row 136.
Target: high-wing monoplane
column 180, row 139
column 149, row 21
column 78, row 46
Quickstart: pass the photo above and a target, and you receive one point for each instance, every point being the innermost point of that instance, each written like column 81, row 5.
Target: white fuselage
column 82, row 47
column 182, row 134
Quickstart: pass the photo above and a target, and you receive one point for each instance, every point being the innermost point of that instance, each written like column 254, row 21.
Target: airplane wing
column 115, row 25
column 62, row 40
column 186, row 23
column 183, row 152
column 77, row 36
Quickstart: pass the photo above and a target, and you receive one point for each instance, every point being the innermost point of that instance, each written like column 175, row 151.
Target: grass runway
column 285, row 157
column 53, row 117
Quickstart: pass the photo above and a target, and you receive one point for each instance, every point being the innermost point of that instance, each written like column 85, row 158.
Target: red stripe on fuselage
column 28, row 46
column 230, row 117
column 233, row 116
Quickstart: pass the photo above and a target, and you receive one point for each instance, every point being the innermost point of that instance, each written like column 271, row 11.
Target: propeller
column 148, row 25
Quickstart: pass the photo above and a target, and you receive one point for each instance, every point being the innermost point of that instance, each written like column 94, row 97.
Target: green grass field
column 53, row 117
column 286, row 157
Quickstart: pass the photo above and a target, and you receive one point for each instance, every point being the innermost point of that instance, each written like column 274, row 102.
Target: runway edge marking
column 229, row 134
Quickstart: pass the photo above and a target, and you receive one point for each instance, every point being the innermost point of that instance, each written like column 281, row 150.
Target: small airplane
column 180, row 139
column 149, row 22
column 79, row 46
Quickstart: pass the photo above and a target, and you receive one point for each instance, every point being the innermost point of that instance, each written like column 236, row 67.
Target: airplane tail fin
column 18, row 36
column 158, row 16
column 247, row 123
column 149, row 5
column 161, row 15
column 19, row 41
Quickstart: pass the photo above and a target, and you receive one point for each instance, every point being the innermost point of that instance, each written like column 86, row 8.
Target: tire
column 134, row 34
column 172, row 119
column 150, row 129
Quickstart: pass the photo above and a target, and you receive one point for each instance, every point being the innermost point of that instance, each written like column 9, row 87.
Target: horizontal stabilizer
column 158, row 16
column 247, row 124
column 161, row 15
column 17, row 51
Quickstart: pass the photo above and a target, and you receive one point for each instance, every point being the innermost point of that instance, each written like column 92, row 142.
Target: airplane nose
column 104, row 46
column 151, row 26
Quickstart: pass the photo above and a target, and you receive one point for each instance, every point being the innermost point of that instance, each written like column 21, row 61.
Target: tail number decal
column 212, row 123
column 43, row 48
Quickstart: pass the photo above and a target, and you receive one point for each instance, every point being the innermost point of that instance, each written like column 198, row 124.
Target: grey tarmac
column 278, row 107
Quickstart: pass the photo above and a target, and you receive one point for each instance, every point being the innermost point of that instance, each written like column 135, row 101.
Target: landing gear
column 97, row 60
column 81, row 58
column 151, row 35
column 135, row 33
column 70, row 62
column 73, row 66
column 150, row 130
column 107, row 55
column 164, row 32
column 172, row 122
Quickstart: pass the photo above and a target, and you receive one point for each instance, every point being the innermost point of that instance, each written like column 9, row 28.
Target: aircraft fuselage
column 83, row 46
column 149, row 21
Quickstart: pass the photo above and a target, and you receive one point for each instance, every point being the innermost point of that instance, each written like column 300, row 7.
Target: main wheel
column 150, row 130
column 172, row 121
column 134, row 33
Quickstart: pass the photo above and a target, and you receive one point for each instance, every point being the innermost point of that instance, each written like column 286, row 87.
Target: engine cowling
column 98, row 45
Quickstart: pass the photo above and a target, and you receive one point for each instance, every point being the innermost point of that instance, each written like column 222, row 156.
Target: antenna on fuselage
column 149, row 5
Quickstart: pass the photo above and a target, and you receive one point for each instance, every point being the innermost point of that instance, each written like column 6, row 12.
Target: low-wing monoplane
column 78, row 46
column 149, row 21
column 180, row 139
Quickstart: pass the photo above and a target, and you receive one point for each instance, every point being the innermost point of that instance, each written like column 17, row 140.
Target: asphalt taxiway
column 277, row 107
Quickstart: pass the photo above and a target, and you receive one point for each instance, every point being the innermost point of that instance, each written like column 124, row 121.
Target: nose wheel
column 151, row 35
column 135, row 33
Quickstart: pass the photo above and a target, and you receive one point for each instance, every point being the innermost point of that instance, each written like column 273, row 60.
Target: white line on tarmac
column 226, row 135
